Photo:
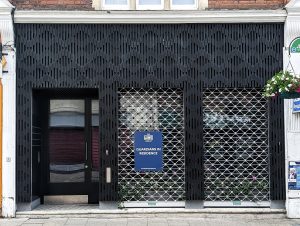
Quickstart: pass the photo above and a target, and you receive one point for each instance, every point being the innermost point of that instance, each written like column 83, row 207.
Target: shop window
column 152, row 110
column 116, row 4
column 235, row 140
column 149, row 4
column 184, row 4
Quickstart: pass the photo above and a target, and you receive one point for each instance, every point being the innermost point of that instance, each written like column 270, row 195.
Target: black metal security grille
column 110, row 57
column 236, row 148
column 152, row 110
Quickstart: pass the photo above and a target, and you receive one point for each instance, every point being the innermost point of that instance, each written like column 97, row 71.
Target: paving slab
column 55, row 222
column 157, row 224
column 117, row 222
column 32, row 224
column 156, row 219
column 137, row 222
column 96, row 222
column 76, row 221
column 178, row 222
column 12, row 222
column 36, row 221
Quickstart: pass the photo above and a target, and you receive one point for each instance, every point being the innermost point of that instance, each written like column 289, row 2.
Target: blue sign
column 296, row 105
column 294, row 176
column 148, row 151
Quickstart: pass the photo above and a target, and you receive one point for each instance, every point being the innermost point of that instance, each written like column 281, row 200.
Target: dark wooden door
column 73, row 147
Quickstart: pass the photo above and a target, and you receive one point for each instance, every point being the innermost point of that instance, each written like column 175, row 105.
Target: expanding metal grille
column 152, row 110
column 235, row 145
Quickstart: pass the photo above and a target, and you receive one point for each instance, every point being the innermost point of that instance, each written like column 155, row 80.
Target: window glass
column 66, row 141
column 95, row 141
column 115, row 2
column 235, row 144
column 150, row 2
column 183, row 2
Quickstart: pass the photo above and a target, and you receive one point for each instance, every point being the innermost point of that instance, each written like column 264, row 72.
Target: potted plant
column 283, row 84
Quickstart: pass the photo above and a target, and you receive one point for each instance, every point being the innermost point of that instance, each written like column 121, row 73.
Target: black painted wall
column 108, row 57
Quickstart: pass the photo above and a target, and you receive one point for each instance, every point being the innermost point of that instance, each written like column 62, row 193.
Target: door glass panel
column 95, row 141
column 67, row 141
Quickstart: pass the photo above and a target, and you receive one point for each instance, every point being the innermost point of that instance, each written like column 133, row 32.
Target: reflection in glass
column 95, row 140
column 66, row 141
column 149, row 2
column 115, row 2
column 235, row 137
column 183, row 2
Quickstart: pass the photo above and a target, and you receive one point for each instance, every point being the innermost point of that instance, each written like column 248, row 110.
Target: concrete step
column 93, row 211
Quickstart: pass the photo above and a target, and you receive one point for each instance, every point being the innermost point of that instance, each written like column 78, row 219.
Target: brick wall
column 53, row 4
column 246, row 4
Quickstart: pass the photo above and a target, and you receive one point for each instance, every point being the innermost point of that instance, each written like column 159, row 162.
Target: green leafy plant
column 148, row 185
column 126, row 192
column 233, row 189
column 282, row 82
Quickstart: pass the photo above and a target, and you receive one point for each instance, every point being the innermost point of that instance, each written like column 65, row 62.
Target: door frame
column 78, row 188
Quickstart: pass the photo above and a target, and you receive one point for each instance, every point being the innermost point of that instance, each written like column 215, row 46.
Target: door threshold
column 65, row 199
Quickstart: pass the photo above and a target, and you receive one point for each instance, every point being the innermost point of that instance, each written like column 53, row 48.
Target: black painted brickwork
column 187, row 56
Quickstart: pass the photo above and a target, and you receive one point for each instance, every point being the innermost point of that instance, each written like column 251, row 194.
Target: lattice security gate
column 236, row 146
column 152, row 110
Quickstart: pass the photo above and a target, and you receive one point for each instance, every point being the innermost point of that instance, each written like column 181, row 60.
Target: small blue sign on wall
column 294, row 176
column 296, row 105
column 148, row 154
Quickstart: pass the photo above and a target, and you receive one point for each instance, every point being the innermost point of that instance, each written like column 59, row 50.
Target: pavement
column 167, row 219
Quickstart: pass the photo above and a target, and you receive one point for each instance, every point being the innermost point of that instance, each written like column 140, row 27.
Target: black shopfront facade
column 199, row 84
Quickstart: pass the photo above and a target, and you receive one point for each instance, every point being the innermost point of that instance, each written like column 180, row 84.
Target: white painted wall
column 9, row 138
column 292, row 121
column 9, row 113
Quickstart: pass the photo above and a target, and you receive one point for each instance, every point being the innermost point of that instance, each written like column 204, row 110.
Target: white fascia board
column 150, row 17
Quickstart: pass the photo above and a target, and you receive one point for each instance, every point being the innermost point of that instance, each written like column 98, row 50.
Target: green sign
column 295, row 46
column 237, row 203
column 151, row 203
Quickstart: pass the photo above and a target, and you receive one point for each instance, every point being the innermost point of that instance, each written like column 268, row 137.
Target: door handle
column 86, row 151
column 86, row 155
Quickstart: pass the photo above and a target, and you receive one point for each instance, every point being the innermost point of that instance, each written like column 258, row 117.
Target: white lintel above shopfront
column 150, row 17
